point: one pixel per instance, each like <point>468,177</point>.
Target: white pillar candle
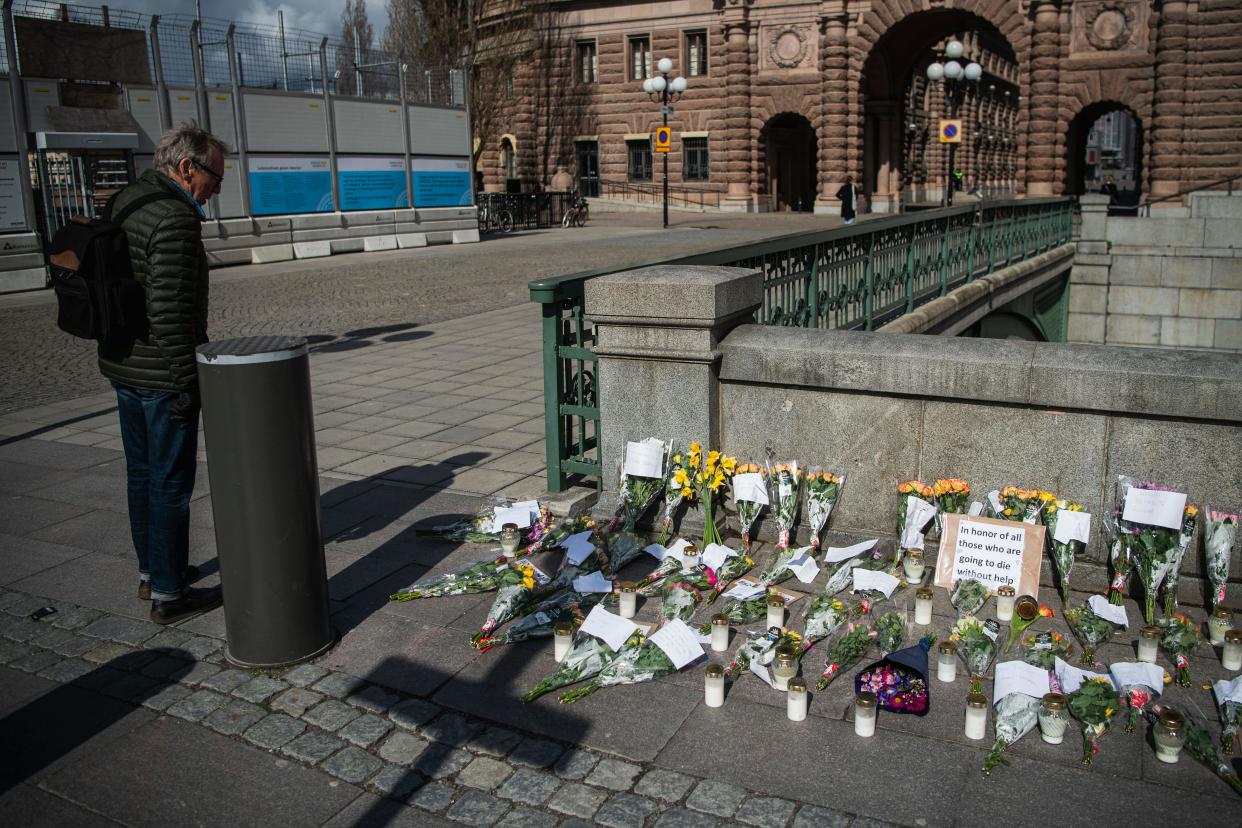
<point>1219,623</point>
<point>976,716</point>
<point>795,699</point>
<point>689,559</point>
<point>784,667</point>
<point>713,685</point>
<point>913,565</point>
<point>562,638</point>
<point>864,715</point>
<point>1149,643</point>
<point>720,633</point>
<point>923,607</point>
<point>629,599</point>
<point>1005,597</point>
<point>776,612</point>
<point>946,662</point>
<point>1053,718</point>
<point>1231,654</point>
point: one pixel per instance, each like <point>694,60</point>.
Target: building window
<point>640,57</point>
<point>696,54</point>
<point>640,159</point>
<point>508,159</point>
<point>694,156</point>
<point>588,62</point>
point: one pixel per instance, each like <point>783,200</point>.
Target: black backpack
<point>97,295</point>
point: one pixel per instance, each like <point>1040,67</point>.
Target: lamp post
<point>953,73</point>
<point>665,90</point>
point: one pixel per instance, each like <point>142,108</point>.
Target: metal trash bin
<point>260,437</point>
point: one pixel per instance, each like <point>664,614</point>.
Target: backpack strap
<point>133,206</point>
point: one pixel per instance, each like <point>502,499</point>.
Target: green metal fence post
<point>943,263</point>
<point>552,395</point>
<point>812,291</point>
<point>869,282</point>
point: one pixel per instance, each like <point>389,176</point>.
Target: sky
<point>322,16</point>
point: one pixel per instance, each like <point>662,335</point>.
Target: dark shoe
<point>144,587</point>
<point>191,603</point>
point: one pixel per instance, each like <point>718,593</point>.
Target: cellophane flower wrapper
<point>619,550</point>
<point>1132,541</point>
<point>1119,558</point>
<point>784,488</point>
<point>734,567</point>
<point>1063,554</point>
<point>676,489</point>
<point>975,648</point>
<point>760,648</point>
<point>823,487</point>
<point>1094,704</point>
<point>1042,649</point>
<point>895,688</point>
<point>1219,532</point>
<point>906,489</point>
<point>471,529</point>
<point>1018,625</point>
<point>824,616</point>
<point>1090,629</point>
<point>748,510</point>
<point>952,497</point>
<point>540,621</point>
<point>845,651</point>
<point>679,601</point>
<point>1178,636</point>
<point>548,532</point>
<point>1137,698</point>
<point>635,496</point>
<point>653,583</point>
<point>585,659</point>
<point>1190,521</point>
<point>1021,505</point>
<point>635,663</point>
<point>1200,746</point>
<point>746,611</point>
<point>776,572</point>
<point>890,633</point>
<point>519,591</point>
<point>1013,716</point>
<point>1230,722</point>
<point>478,576</point>
<point>1153,553</point>
<point>968,597</point>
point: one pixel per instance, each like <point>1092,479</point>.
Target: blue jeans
<point>160,463</point>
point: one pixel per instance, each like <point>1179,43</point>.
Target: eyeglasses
<point>219,178</point>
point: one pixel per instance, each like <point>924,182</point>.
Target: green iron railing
<point>859,277</point>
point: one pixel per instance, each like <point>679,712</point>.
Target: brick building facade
<point>786,99</point>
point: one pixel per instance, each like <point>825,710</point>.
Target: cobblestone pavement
<point>366,295</point>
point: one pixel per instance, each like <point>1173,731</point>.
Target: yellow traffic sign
<point>664,139</point>
<point>950,131</point>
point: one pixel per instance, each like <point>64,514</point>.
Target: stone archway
<point>788,149</point>
<point>1082,175</point>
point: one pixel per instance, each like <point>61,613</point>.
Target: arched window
<point>508,159</point>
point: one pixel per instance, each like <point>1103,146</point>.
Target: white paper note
<point>866,579</point>
<point>976,509</point>
<point>918,513</point>
<point>531,506</point>
<point>645,459</point>
<point>1072,526</point>
<point>995,502</point>
<point>579,552</point>
<point>1071,677</point>
<point>678,642</point>
<point>656,551</point>
<point>750,486</point>
<point>1109,612</point>
<point>578,538</point>
<point>745,590</point>
<point>612,629</point>
<point>836,554</point>
<point>1137,672</point>
<point>1019,677</point>
<point>510,514</point>
<point>803,565</point>
<point>1154,508</point>
<point>1228,691</point>
<point>703,638</point>
<point>716,554</point>
<point>762,672</point>
<point>595,582</point>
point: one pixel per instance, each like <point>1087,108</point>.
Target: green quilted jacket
<point>166,249</point>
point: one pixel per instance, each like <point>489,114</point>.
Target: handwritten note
<point>575,539</point>
<point>510,514</point>
<point>993,552</point>
<point>645,459</point>
<point>1072,526</point>
<point>836,554</point>
<point>803,565</point>
<point>594,582</point>
<point>744,590</point>
<point>678,642</point>
<point>1129,673</point>
<point>868,580</point>
<point>1109,612</point>
<point>612,629</point>
<point>1154,508</point>
<point>716,554</point>
<point>656,551</point>
<point>750,487</point>
<point>1019,677</point>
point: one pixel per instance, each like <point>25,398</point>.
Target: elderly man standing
<point>155,376</point>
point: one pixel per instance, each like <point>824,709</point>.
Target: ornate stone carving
<point>788,46</point>
<point>1110,26</point>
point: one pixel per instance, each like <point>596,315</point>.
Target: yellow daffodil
<point>680,478</point>
<point>728,464</point>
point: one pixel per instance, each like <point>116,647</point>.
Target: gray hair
<point>187,141</point>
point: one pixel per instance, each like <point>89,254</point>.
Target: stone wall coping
<point>1178,383</point>
<point>673,295</point>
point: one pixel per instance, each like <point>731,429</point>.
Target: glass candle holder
<point>976,716</point>
<point>720,632</point>
<point>776,611</point>
<point>923,606</point>
<point>795,699</point>
<point>562,638</point>
<point>946,661</point>
<point>1053,718</point>
<point>1231,653</point>
<point>1149,643</point>
<point>510,537</point>
<point>784,667</point>
<point>1169,734</point>
<point>864,715</point>
<point>1004,603</point>
<point>1220,622</point>
<point>913,565</point>
<point>713,685</point>
<point>629,599</point>
<point>690,559</point>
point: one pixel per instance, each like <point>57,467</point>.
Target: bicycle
<point>578,213</point>
<point>494,219</point>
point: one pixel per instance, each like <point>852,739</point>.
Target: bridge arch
<point>1081,174</point>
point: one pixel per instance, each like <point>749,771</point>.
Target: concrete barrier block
<point>440,237</point>
<point>230,256</point>
<point>22,261</point>
<point>30,278</point>
<point>273,224</point>
<point>312,249</point>
<point>1093,248</point>
<point>373,243</point>
<point>368,218</point>
<point>268,253</point>
<point>228,228</point>
<point>466,236</point>
<point>405,240</point>
<point>12,243</point>
<point>352,245</point>
<point>1187,333</point>
<point>316,221</point>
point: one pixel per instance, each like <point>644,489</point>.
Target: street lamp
<point>665,90</point>
<point>953,73</point>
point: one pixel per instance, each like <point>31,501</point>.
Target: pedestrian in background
<point>156,376</point>
<point>848,196</point>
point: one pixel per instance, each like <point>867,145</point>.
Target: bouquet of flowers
<point>1018,504</point>
<point>480,576</point>
<point>785,484</point>
<point>1190,520</point>
<point>846,651</point>
<point>1230,712</point>
<point>1091,630</point>
<point>822,489</point>
<point>636,494</point>
<point>734,567</point>
<point>843,575</point>
<point>1199,745</point>
<point>566,605</point>
<point>1218,536</point>
<point>617,549</point>
<point>1137,697</point>
<point>585,659</point>
<point>968,597</point>
<point>748,510</point>
<point>746,610</point>
<point>1044,648</point>
<point>639,660</point>
<point>952,495</point>
<point>761,649</point>
<point>1179,635</point>
<point>680,599</point>
<point>899,680</point>
<point>906,490</point>
<point>709,475</point>
<point>776,572</point>
<point>1015,716</point>
<point>976,647</point>
<point>1063,554</point>
<point>823,617</point>
<point>676,489</point>
<point>1094,704</point>
<point>1119,556</point>
<point>653,583</point>
<point>1026,612</point>
<point>1149,547</point>
<point>518,590</point>
<point>890,631</point>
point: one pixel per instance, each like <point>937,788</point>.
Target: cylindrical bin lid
<point>260,440</point>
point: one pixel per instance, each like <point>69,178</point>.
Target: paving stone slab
<point>719,798</point>
<point>200,646</point>
<point>164,667</point>
<point>122,630</point>
<point>625,810</point>
<point>275,731</point>
<point>495,741</point>
<point>529,786</point>
<point>528,818</point>
<point>452,729</point>
<point>667,786</point>
<point>198,672</point>
<point>197,706</point>
<point>235,717</point>
<point>68,670</point>
<point>433,796</point>
<point>813,816</point>
<point>372,698</point>
<point>168,639</point>
<point>412,713</point>
<point>72,618</point>
<point>402,748</point>
<point>331,715</point>
<point>226,681</point>
<point>161,697</point>
<point>12,650</point>
<point>681,818</point>
<point>576,799</point>
<point>396,782</point>
<point>23,631</point>
<point>575,764</point>
<point>365,730</point>
<point>478,809</point>
<point>484,773</point>
<point>106,651</point>
<point>766,812</point>
<point>304,675</point>
<point>536,753</point>
<point>35,661</point>
<point>614,774</point>
<point>295,701</point>
<point>313,746</point>
<point>352,765</point>
<point>441,761</point>
<point>259,689</point>
<point>338,685</point>
<point>51,638</point>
